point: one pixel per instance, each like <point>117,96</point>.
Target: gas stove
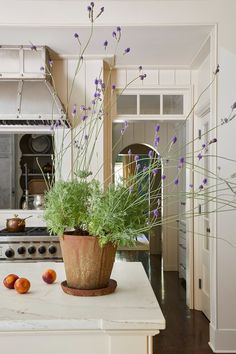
<point>35,243</point>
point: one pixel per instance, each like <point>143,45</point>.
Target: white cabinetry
<point>182,249</point>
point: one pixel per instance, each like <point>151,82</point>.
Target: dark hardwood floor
<point>187,331</point>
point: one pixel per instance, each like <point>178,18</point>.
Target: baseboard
<point>222,340</point>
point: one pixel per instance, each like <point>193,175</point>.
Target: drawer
<point>182,241</point>
<point>182,272</point>
<point>182,255</point>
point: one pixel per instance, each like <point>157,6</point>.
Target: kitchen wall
<point>221,13</point>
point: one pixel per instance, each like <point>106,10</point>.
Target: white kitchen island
<point>48,321</point>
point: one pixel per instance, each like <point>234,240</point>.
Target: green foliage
<point>66,205</point>
<point>117,214</point>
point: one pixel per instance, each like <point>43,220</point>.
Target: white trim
<point>222,340</point>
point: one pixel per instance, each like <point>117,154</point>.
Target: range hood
<point>27,96</point>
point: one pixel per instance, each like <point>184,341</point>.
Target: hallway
<point>187,331</point>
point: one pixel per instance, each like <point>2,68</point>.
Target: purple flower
<point>199,156</point>
<point>203,146</point>
<point>176,181</point>
<point>129,152</point>
<point>113,87</point>
<point>105,44</point>
<point>84,117</point>
<point>140,68</point>
<point>204,181</point>
<point>76,35</point>
<point>142,77</point>
<point>126,124</point>
<point>126,51</point>
<point>182,160</point>
<point>191,185</point>
<point>33,47</point>
<point>103,85</point>
<point>82,108</point>
<point>86,137</point>
<point>136,157</point>
<point>155,171</point>
<point>234,105</point>
<point>41,68</point>
<point>201,187</point>
<point>92,4</point>
<point>96,82</point>
<point>118,29</point>
<point>93,102</point>
<point>89,8</point>
<point>163,177</point>
<point>156,141</point>
<point>155,213</point>
<point>74,110</point>
<point>157,128</point>
<point>114,34</point>
<point>174,139</point>
<point>213,141</point>
<point>150,154</point>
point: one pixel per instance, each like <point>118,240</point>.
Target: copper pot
<point>16,224</point>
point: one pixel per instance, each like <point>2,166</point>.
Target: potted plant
<point>99,221</point>
<point>91,218</point>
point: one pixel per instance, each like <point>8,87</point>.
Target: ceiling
<point>150,45</point>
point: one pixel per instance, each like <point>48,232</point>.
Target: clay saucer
<point>111,287</point>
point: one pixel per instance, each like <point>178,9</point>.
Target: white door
<point>204,180</point>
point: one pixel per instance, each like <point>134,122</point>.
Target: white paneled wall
<point>80,90</point>
<point>155,77</point>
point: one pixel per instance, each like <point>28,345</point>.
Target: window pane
<point>127,104</point>
<point>173,104</point>
<point>149,104</point>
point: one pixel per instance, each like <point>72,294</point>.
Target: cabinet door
<point>7,171</point>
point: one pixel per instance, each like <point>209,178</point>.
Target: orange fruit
<point>22,285</point>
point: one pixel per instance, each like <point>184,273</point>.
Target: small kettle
<point>16,224</point>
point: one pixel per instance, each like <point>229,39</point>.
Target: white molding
<point>200,56</point>
<point>102,25</point>
<point>58,56</point>
<point>204,109</point>
<point>222,340</point>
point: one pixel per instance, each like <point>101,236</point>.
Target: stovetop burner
<point>29,231</point>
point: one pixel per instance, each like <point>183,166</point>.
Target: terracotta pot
<point>87,265</point>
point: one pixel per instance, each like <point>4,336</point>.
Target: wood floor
<point>187,331</point>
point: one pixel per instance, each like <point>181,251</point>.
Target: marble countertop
<point>133,306</point>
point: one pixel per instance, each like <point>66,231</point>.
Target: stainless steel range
<point>35,243</point>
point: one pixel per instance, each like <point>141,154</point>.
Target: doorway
<point>125,167</point>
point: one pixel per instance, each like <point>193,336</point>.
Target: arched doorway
<point>125,166</point>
